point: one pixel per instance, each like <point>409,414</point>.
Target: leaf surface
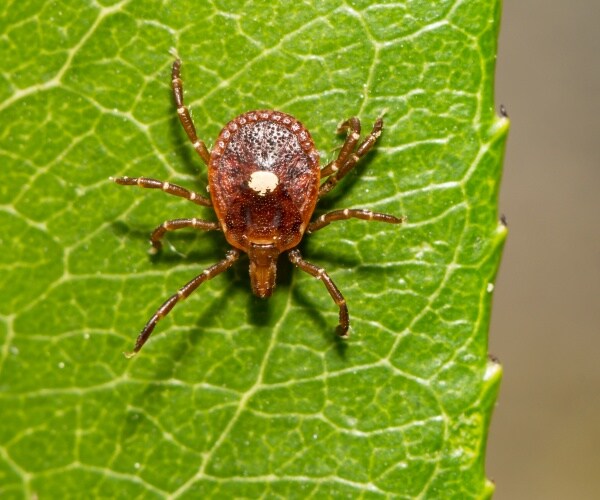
<point>233,395</point>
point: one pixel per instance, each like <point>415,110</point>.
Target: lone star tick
<point>264,182</point>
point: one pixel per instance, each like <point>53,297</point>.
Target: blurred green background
<point>545,434</point>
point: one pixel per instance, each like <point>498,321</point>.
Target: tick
<point>264,181</point>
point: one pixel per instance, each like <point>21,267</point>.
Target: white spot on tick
<point>263,182</point>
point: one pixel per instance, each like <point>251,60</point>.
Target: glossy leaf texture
<point>234,396</point>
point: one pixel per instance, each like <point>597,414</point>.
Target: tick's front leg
<point>320,273</point>
<point>181,294</point>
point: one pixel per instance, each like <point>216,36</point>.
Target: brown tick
<point>264,182</point>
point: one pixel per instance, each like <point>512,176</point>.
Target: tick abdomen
<point>269,219</point>
<point>264,176</point>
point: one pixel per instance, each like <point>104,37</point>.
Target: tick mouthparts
<point>262,278</point>
<point>263,269</point>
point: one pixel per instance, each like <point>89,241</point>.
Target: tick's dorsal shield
<point>264,178</point>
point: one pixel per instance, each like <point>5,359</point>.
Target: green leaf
<point>235,396</point>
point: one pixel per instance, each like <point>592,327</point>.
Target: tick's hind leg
<point>181,294</point>
<point>173,225</point>
<point>167,187</point>
<point>319,273</point>
<point>350,159</point>
<point>184,114</point>
<point>352,125</point>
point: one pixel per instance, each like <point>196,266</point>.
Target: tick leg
<point>319,273</point>
<point>352,125</point>
<point>347,213</point>
<point>184,114</point>
<point>167,187</point>
<point>173,225</point>
<point>352,159</point>
<point>181,294</point>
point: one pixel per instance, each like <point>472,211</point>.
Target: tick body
<point>264,182</point>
